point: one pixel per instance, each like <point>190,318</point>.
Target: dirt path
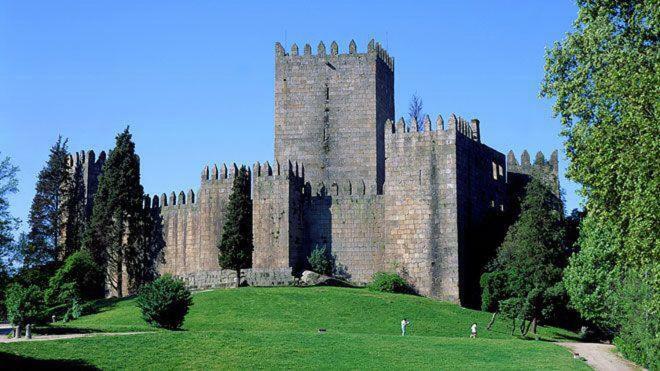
<point>601,357</point>
<point>66,336</point>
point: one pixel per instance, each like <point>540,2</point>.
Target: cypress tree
<point>46,212</point>
<point>114,225</point>
<point>235,247</point>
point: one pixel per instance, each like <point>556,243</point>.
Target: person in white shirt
<point>404,324</point>
<point>474,331</point>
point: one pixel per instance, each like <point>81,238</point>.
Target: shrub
<point>24,305</point>
<point>79,279</point>
<point>389,282</point>
<point>164,302</point>
<point>322,261</point>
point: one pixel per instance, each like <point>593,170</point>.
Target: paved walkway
<point>66,336</point>
<point>601,357</point>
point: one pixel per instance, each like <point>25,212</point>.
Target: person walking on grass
<point>474,331</point>
<point>404,324</point>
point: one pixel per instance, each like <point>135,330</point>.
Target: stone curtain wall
<point>349,223</point>
<point>330,109</point>
<point>277,216</point>
<point>192,226</point>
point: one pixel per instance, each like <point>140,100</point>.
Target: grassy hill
<point>277,328</point>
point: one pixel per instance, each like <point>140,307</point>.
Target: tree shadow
<point>15,362</point>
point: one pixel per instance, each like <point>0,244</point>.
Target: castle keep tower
<point>330,111</point>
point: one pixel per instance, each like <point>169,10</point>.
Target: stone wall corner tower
<point>330,111</point>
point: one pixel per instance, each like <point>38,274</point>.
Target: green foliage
<point>605,80</point>
<point>8,186</point>
<point>322,261</point>
<point>25,305</point>
<point>389,282</point>
<point>46,212</point>
<point>495,289</point>
<point>235,247</point>
<point>165,302</point>
<point>525,277</point>
<point>114,227</point>
<point>77,281</point>
<point>638,338</point>
<point>592,276</point>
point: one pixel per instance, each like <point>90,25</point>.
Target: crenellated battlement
<point>456,124</point>
<point>373,48</point>
<point>287,170</point>
<point>87,158</point>
<point>174,199</point>
<point>525,166</point>
<point>215,174</point>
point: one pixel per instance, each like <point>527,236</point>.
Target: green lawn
<point>277,328</point>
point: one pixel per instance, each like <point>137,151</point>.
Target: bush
<point>164,302</point>
<point>79,279</point>
<point>322,261</point>
<point>24,305</point>
<point>389,282</point>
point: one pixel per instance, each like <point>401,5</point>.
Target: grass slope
<point>276,328</point>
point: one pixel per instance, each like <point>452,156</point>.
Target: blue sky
<point>194,79</point>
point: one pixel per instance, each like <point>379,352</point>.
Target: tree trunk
<point>238,278</point>
<point>527,328</point>
<point>492,321</point>
<point>534,324</point>
<point>522,327</point>
<point>513,326</point>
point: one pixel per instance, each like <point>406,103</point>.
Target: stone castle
<point>431,203</point>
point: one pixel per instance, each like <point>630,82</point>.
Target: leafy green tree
<point>25,305</point>
<point>46,212</point>
<point>592,276</point>
<point>525,277</point>
<point>605,80</point>
<point>8,186</point>
<point>78,277</point>
<point>235,247</point>
<point>114,226</point>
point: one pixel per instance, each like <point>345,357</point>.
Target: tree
<point>415,111</point>
<point>114,226</point>
<point>524,281</point>
<point>592,276</point>
<point>46,212</point>
<point>605,81</point>
<point>25,305</point>
<point>235,247</point>
<point>8,186</point>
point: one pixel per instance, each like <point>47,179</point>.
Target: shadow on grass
<point>57,330</point>
<point>16,362</point>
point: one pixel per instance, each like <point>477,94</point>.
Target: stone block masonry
<point>431,204</point>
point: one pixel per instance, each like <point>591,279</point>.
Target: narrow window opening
<point>494,170</point>
<point>327,92</point>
